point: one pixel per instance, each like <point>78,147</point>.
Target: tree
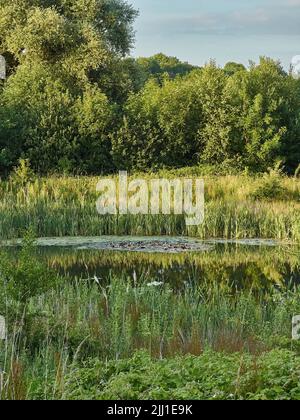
<point>78,36</point>
<point>217,136</point>
<point>160,126</point>
<point>63,58</point>
<point>268,109</point>
<point>56,128</point>
<point>231,68</point>
<point>120,79</point>
<point>249,119</point>
<point>160,64</point>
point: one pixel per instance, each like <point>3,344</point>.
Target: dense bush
<point>270,187</point>
<point>54,126</point>
<point>23,278</point>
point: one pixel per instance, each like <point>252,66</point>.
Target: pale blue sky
<point>225,30</point>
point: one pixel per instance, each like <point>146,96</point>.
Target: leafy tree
<point>268,112</point>
<point>160,64</point>
<point>217,136</point>
<point>231,68</point>
<point>159,127</point>
<point>63,57</point>
<point>55,128</point>
<point>120,79</point>
<point>77,35</point>
<point>249,119</point>
<point>290,115</point>
<point>93,122</point>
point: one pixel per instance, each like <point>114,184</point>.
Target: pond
<point>176,260</point>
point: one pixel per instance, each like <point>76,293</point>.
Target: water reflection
<point>243,266</point>
<point>255,264</point>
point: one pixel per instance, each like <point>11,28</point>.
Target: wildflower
<point>155,284</point>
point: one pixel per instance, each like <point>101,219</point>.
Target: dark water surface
<point>241,263</point>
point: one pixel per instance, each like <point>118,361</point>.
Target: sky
<point>224,30</point>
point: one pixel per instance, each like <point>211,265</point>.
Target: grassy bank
<point>79,341</point>
<point>236,207</point>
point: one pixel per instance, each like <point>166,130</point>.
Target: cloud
<point>278,21</point>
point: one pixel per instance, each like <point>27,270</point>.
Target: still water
<point>241,263</point>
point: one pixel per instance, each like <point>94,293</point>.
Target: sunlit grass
<point>66,206</point>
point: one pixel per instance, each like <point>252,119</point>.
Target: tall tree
<point>77,35</point>
<point>53,110</point>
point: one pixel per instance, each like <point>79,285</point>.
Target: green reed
<point>66,206</point>
<point>113,321</point>
<point>79,319</point>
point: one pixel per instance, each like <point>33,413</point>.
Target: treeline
<point>73,103</point>
<point>248,119</point>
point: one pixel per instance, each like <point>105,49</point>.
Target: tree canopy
<point>77,35</point>
<point>75,101</point>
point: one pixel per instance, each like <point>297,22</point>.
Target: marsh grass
<point>78,321</point>
<point>236,207</point>
<point>75,320</point>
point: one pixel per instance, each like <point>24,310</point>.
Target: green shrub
<point>211,376</point>
<point>23,277</point>
<point>269,187</point>
<point>22,173</point>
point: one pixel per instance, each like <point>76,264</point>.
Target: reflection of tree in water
<point>242,267</point>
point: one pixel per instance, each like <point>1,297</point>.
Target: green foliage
<point>22,174</point>
<point>249,118</point>
<point>160,127</point>
<point>231,68</point>
<point>74,102</point>
<point>260,98</point>
<point>56,127</point>
<point>52,109</point>
<point>23,277</point>
<point>77,36</point>
<point>270,186</point>
<point>211,376</point>
<point>159,65</point>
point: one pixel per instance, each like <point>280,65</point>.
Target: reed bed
<point>235,208</point>
<point>78,321</point>
<point>60,326</point>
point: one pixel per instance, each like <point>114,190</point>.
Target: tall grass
<point>236,207</point>
<point>78,321</point>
